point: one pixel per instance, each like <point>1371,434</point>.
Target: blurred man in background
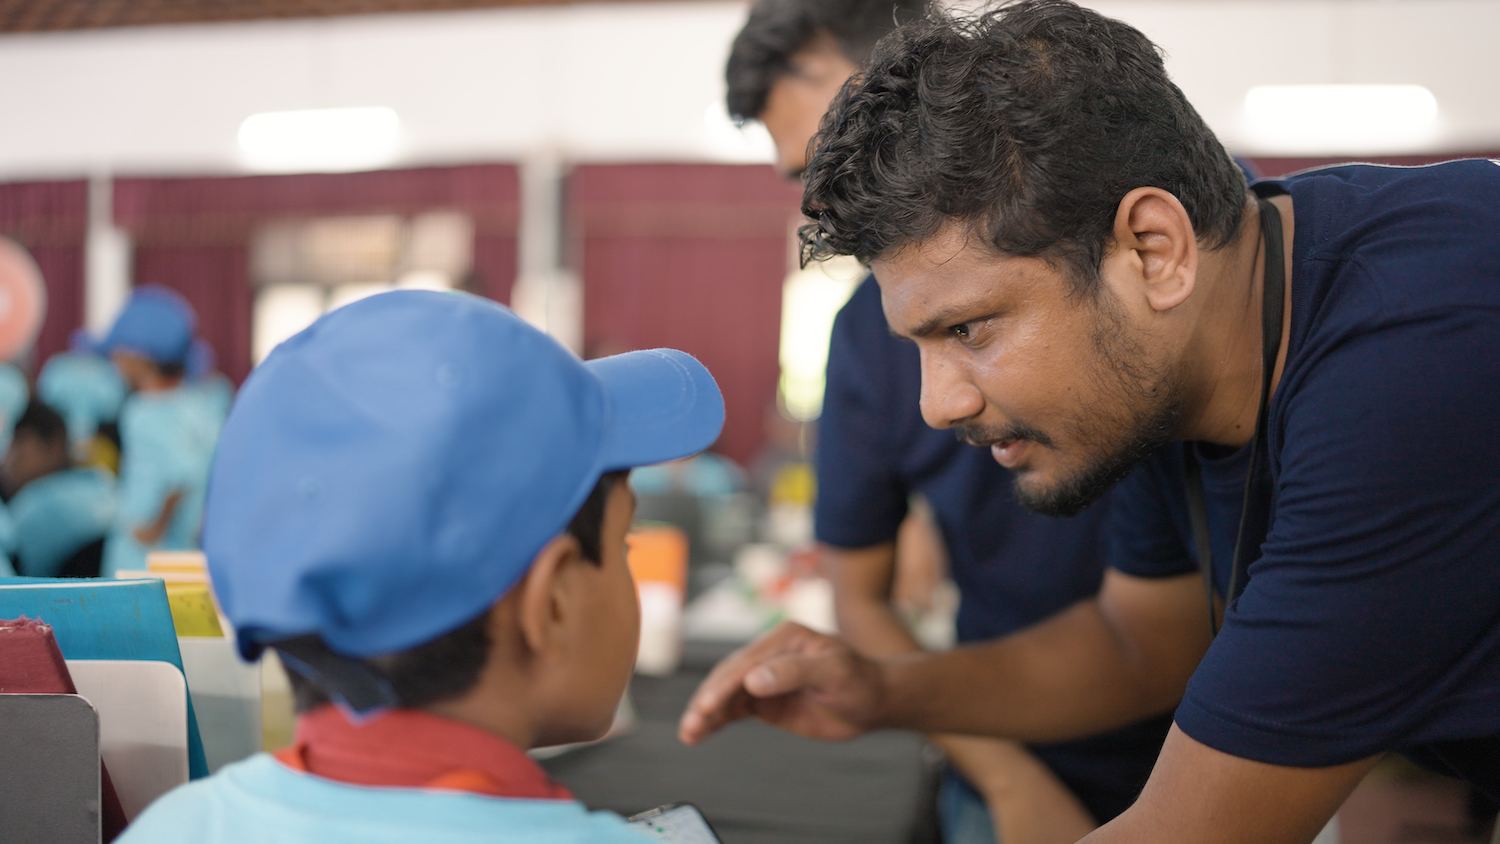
<point>167,432</point>
<point>1013,568</point>
<point>61,512</point>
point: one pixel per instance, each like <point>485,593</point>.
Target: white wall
<point>594,82</point>
<point>1218,49</point>
<point>629,82</point>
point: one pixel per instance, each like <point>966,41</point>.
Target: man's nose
<point>948,396</point>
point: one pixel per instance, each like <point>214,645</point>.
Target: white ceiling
<point>625,82</point>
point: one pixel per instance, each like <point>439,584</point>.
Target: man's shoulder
<point>259,799</point>
<point>1348,209</point>
<point>862,318</point>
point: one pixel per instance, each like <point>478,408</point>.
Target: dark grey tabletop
<point>755,783</point>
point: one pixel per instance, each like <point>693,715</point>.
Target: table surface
<point>753,782</point>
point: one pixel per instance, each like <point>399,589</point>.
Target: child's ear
<point>543,595</point>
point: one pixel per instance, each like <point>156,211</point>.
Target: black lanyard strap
<point>1273,293</point>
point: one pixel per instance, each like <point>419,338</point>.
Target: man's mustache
<point>988,435</point>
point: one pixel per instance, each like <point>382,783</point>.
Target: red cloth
<point>412,749</point>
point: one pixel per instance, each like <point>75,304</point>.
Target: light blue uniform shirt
<point>85,388</point>
<point>260,800</point>
<point>166,443</point>
<point>57,514</point>
<point>216,393</point>
<point>7,542</point>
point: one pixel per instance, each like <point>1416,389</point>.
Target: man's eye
<point>961,330</point>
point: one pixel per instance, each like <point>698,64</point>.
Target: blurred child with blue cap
<point>421,503</point>
<point>61,512</point>
<point>166,436</point>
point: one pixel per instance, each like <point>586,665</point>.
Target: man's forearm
<point>1028,804</point>
<point>862,581</point>
<point>1096,666</point>
<point>873,628</point>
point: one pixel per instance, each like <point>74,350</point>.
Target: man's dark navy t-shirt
<point>1013,567</point>
<point>1370,620</point>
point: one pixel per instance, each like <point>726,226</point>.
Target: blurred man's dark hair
<point>41,421</point>
<point>1029,124</point>
<point>38,447</point>
<point>778,29</point>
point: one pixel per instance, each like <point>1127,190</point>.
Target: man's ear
<point>1155,245</point>
<point>542,596</point>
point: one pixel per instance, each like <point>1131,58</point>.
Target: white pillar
<point>546,294</point>
<point>106,274</point>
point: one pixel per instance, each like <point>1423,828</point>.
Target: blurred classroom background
<point>269,160</point>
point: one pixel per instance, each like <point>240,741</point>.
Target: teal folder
<point>96,618</point>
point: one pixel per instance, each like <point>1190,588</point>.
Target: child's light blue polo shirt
<point>260,800</point>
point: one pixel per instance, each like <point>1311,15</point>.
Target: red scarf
<point>406,748</point>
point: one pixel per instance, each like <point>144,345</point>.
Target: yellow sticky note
<point>193,612</point>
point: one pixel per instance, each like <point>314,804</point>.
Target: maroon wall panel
<point>216,281</point>
<point>62,268</point>
<point>193,235</point>
<point>690,257</point>
<point>51,220</point>
<point>494,270</point>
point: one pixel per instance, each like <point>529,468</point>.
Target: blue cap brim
<point>661,404</point>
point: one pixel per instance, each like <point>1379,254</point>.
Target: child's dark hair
<point>448,666</point>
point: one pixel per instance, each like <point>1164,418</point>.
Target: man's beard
<point>1145,408</point>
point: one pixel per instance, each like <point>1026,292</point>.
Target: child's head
<point>420,501</point>
<point>150,339</point>
<point>38,447</point>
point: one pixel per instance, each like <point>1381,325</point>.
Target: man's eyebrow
<point>947,317</point>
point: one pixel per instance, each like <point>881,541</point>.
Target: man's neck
<point>1229,338</point>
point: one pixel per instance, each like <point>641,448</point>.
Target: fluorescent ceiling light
<point>320,139</point>
<point>1339,119</point>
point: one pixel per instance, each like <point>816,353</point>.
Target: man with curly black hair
<point>1291,386</point>
<point>875,454</point>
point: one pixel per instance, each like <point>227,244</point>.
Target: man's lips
<point>1009,453</point>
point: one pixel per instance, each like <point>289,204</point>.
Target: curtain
<point>50,219</point>
<point>193,235</point>
<point>692,257</point>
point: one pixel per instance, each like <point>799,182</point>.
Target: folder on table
<point>142,706</point>
<point>50,782</point>
<point>106,619</point>
<point>31,664</point>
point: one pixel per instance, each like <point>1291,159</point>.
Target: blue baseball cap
<point>390,472</point>
<point>156,323</point>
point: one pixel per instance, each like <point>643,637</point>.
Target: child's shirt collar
<point>406,748</point>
